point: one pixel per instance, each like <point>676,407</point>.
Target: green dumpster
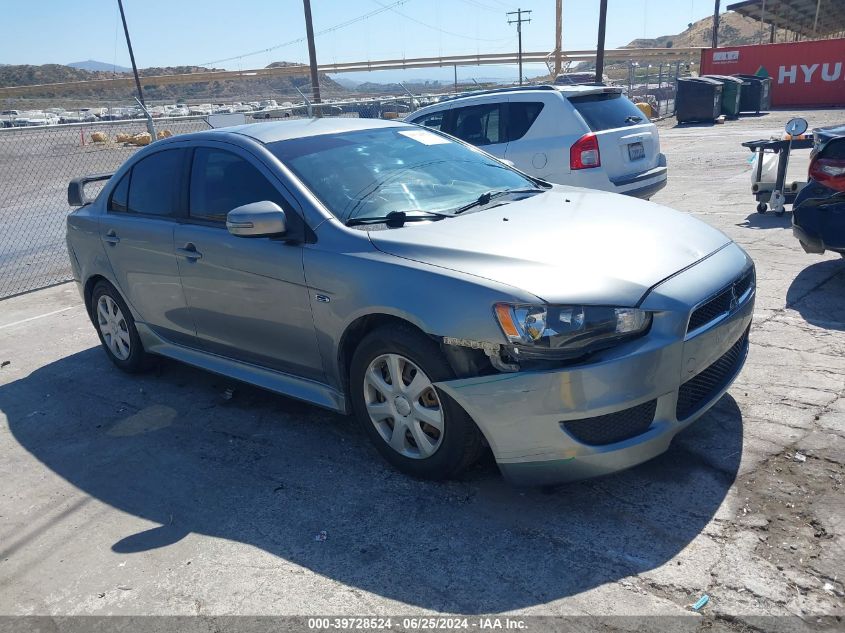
<point>731,90</point>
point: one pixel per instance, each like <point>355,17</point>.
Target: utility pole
<point>312,55</point>
<point>518,21</point>
<point>600,44</point>
<point>716,25</point>
<point>558,34</point>
<point>131,54</point>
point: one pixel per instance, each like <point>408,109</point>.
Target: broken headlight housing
<point>568,331</point>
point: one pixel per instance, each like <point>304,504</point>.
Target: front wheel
<point>762,207</point>
<point>415,427</point>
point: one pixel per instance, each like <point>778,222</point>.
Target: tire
<point>117,331</point>
<point>762,207</point>
<point>421,449</point>
<point>779,213</point>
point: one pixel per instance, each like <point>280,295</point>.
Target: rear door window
<point>119,202</point>
<point>521,116</point>
<point>607,111</point>
<point>154,187</point>
<point>480,124</point>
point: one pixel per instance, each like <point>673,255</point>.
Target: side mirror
<point>257,219</point>
<point>796,127</point>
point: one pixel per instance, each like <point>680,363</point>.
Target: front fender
<point>361,281</point>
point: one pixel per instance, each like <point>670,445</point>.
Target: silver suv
<point>584,136</point>
<point>446,300</point>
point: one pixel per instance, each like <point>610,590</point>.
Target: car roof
<point>564,90</point>
<point>299,128</point>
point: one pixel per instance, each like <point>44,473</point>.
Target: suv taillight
<point>584,154</point>
<point>829,172</point>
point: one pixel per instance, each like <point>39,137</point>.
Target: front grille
<point>744,283</point>
<point>699,390</point>
<point>612,427</point>
<point>722,303</point>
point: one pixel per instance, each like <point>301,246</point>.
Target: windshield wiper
<point>487,196</point>
<point>396,219</point>
<point>633,119</point>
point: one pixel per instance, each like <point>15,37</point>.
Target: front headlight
<point>567,331</point>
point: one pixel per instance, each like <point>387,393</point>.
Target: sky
<point>175,32</point>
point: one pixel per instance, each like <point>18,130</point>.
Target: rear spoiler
<point>76,189</point>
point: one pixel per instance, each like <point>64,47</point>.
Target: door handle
<point>111,237</point>
<point>189,251</point>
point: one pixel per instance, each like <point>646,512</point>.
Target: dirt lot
<point>158,495</point>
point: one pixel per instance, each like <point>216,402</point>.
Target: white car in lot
<point>584,136</point>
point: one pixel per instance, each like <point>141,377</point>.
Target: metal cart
<point>776,195</point>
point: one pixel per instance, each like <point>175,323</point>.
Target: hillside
<point>734,30</point>
<point>230,90</point>
<point>92,64</point>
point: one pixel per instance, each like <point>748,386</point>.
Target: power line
<point>481,5</point>
<point>298,40</point>
<point>435,28</point>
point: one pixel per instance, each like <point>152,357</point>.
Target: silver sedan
<point>446,300</point>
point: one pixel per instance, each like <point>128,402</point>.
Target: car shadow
<point>826,281</point>
<point>689,124</point>
<point>767,220</point>
<point>177,448</point>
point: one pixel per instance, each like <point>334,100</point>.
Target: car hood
<point>567,245</point>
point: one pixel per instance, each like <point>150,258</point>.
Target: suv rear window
<point>607,111</point>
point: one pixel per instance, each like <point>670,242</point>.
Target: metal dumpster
<point>698,99</point>
<point>756,94</point>
<point>731,93</point>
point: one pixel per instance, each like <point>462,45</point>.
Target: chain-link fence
<point>38,162</point>
<point>36,165</point>
<point>656,85</point>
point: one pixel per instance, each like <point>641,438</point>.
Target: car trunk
<point>628,141</point>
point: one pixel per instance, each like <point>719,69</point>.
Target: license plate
<point>636,151</point>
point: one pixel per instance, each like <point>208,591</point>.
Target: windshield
<point>371,173</point>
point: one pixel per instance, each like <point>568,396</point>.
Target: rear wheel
<point>116,329</point>
<point>762,207</point>
<point>418,429</point>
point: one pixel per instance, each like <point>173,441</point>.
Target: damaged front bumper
<point>625,405</point>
